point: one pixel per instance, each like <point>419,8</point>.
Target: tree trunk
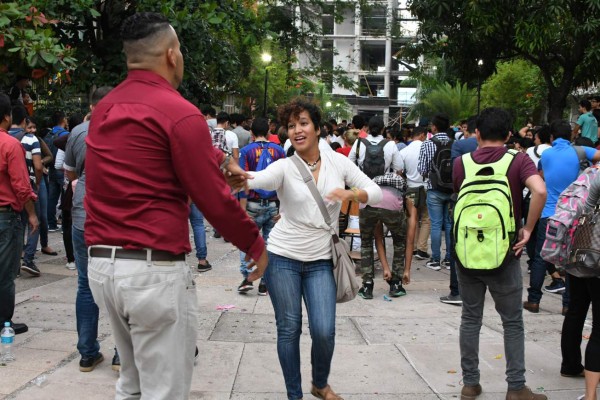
<point>557,101</point>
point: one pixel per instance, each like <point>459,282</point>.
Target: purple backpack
<point>560,231</point>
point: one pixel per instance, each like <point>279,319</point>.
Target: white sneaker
<point>71,266</point>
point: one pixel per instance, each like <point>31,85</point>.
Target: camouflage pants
<point>396,223</point>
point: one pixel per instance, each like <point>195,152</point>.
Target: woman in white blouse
<point>300,265</point>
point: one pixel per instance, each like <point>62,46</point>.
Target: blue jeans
<point>42,214</point>
<point>55,188</point>
<point>197,222</point>
<point>289,281</point>
<point>262,215</point>
<point>86,310</point>
<point>32,238</point>
<point>437,206</point>
<point>11,245</point>
<point>538,266</point>
<point>506,288</point>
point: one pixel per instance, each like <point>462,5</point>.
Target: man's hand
<point>33,223</point>
<point>387,274</point>
<point>236,177</point>
<point>261,266</point>
<point>277,217</point>
<point>406,277</point>
<point>524,235</point>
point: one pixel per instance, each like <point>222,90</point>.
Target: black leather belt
<point>6,209</point>
<point>155,255</point>
<point>264,202</point>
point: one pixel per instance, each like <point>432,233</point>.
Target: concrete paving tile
<point>541,371</point>
<point>65,288</point>
<point>38,360</point>
<point>68,390</point>
<point>12,378</point>
<point>206,324</point>
<point>102,375</point>
<point>378,330</point>
<point>54,315</point>
<point>195,395</point>
<point>217,366</point>
<point>210,297</point>
<point>53,340</point>
<point>259,328</point>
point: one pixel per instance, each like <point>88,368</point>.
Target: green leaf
<point>14,49</point>
<point>94,13</point>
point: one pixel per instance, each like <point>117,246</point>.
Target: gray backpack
<point>374,163</point>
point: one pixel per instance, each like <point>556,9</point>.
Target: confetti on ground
<point>225,307</point>
<point>498,356</point>
<point>540,389</point>
<point>386,298</point>
<point>447,384</point>
<point>451,371</point>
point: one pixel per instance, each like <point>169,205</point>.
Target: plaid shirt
<point>426,156</point>
<point>391,179</point>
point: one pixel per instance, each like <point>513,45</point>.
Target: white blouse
<point>301,233</point>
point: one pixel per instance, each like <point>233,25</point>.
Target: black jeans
<point>67,224</point>
<point>583,291</point>
<point>11,245</point>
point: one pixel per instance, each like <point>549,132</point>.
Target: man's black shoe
<point>18,328</point>
<point>204,267</point>
<point>217,235</point>
<point>31,268</point>
<point>116,362</point>
<point>366,291</point>
<point>421,255</point>
<point>245,286</point>
<point>87,364</point>
<point>396,289</point>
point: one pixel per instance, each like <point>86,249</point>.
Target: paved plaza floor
<point>403,349</point>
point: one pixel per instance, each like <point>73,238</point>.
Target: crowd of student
<point>126,180</point>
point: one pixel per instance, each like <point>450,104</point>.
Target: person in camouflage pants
<point>391,213</point>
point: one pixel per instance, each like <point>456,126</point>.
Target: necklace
<point>312,166</point>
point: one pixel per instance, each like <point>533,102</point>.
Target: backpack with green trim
<point>484,221</point>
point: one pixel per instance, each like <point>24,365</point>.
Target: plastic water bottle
<point>8,338</point>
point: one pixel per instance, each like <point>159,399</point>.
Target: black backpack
<point>441,171</point>
<point>374,163</point>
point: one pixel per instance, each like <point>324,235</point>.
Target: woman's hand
<point>339,195</point>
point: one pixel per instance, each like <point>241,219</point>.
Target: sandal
<point>325,394</point>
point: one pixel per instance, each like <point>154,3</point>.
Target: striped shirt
<point>426,156</point>
<point>31,144</point>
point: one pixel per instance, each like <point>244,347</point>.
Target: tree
<point>560,37</point>
<point>458,102</point>
<point>518,87</point>
<point>28,44</point>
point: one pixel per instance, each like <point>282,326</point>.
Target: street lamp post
<point>479,64</point>
<point>266,58</point>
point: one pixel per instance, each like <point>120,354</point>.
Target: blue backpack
<point>49,139</point>
<point>266,158</point>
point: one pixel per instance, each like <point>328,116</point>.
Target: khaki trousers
<point>153,311</point>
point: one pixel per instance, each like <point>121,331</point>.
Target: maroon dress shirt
<point>147,150</point>
<point>15,187</point>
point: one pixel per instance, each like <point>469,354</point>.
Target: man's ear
<point>171,58</point>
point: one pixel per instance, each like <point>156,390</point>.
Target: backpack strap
<point>357,152</point>
<point>583,161</point>
<point>501,167</point>
<point>535,152</point>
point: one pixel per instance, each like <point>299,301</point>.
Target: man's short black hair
<point>142,25</point>
<point>5,106</point>
<point>57,117</point>
<point>418,131</point>
<point>586,104</point>
<point>583,141</point>
<point>560,129</point>
<point>595,98</point>
<point>208,110</point>
<point>472,124</point>
<point>543,132</point>
<point>237,118</point>
<point>358,121</point>
<point>260,127</point>
<point>100,93</point>
<point>332,121</point>
<point>441,122</point>
<point>222,117</point>
<point>19,113</point>
<point>494,124</point>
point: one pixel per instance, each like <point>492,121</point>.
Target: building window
<point>327,19</point>
<point>374,20</point>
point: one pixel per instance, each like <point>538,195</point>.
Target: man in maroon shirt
<point>148,149</point>
<point>506,285</point>
<point>15,195</point>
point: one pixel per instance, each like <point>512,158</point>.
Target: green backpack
<point>484,224</point>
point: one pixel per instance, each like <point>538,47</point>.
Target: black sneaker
<point>396,289</point>
<point>421,255</point>
<point>433,264</point>
<point>445,263</point>
<point>217,235</point>
<point>116,362</point>
<point>87,364</point>
<point>366,291</point>
<point>557,286</point>
<point>245,286</point>
<point>196,354</point>
<point>262,289</point>
<point>451,299</point>
<point>31,268</point>
<point>204,267</point>
<point>18,328</point>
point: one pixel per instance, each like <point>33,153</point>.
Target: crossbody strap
<point>308,179</point>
